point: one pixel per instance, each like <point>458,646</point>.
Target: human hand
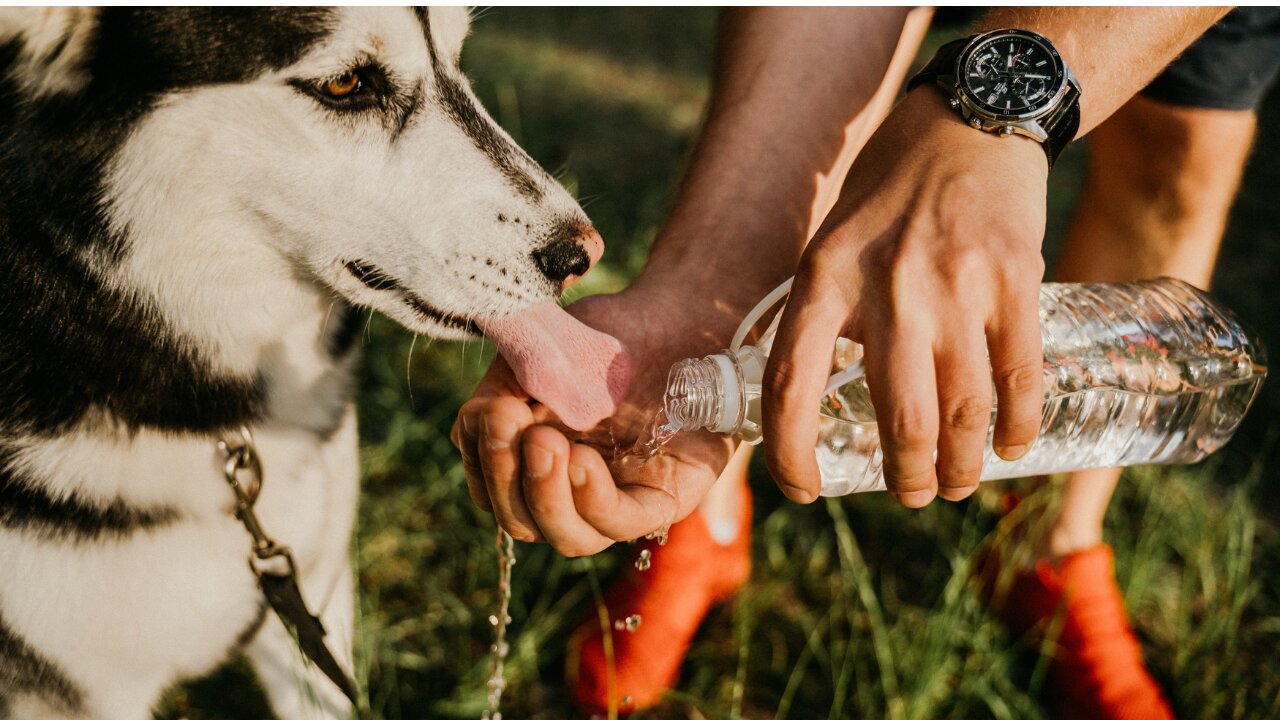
<point>931,260</point>
<point>582,492</point>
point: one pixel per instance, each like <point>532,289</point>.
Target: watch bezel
<point>980,108</point>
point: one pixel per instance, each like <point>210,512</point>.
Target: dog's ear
<point>54,42</point>
<point>449,27</point>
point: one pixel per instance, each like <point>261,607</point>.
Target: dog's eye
<point>360,88</point>
<point>345,85</point>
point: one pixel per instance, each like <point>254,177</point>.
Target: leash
<point>273,564</point>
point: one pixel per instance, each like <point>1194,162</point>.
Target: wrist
<point>928,109</point>
<point>726,275</point>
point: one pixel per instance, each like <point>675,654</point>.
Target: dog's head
<point>345,143</point>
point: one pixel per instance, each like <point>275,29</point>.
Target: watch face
<point>1011,75</point>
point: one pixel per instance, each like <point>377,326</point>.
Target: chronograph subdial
<point>1029,87</point>
<point>1010,75</point>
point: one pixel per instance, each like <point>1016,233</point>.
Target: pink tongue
<point>579,373</point>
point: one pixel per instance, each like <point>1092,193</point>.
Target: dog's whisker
<point>324,324</point>
<point>586,202</point>
<point>368,323</point>
<point>408,371</point>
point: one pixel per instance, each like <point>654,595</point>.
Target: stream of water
<point>657,434</point>
<point>499,650</point>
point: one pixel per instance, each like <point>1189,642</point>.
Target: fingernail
<point>537,462</point>
<point>1012,452</point>
<point>469,424</point>
<point>577,476</point>
<point>498,434</point>
<point>956,494</point>
<point>798,494</point>
<point>915,498</point>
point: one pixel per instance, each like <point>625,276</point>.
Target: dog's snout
<point>562,259</point>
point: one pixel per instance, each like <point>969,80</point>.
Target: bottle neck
<point>704,394</point>
<point>718,392</point>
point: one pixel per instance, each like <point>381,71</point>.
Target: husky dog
<point>191,203</point>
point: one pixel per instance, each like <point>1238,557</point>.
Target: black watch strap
<point>1060,127</point>
<point>943,64</point>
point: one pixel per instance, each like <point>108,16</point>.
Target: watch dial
<point>1011,74</point>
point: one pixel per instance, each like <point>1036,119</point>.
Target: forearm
<point>797,92</point>
<point>1114,51</point>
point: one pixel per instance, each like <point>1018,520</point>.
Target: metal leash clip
<point>268,556</point>
<point>273,563</point>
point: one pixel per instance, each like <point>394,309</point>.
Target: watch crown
<point>1006,130</point>
<point>953,102</point>
<point>976,123</point>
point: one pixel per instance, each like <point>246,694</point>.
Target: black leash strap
<point>273,564</point>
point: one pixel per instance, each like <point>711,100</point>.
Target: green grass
<point>857,608</point>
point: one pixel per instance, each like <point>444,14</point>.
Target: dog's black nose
<point>562,259</point>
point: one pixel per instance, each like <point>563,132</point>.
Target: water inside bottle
<point>1150,391</point>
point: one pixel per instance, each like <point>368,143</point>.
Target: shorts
<point>1230,67</point>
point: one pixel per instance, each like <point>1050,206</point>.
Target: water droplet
<point>660,534</point>
<point>644,560</point>
<point>493,620</point>
<point>630,623</point>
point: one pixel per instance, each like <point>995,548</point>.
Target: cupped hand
<point>931,260</point>
<point>581,492</point>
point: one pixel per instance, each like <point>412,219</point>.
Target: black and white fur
<point>186,222</point>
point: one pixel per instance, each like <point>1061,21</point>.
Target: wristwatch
<point>1009,82</point>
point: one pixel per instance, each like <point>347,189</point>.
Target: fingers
<point>502,422</point>
<point>549,488</point>
<point>798,368</point>
<point>581,505</point>
<point>466,437</point>
<point>900,368</point>
<point>1017,367</point>
<point>639,504</point>
<point>499,381</point>
<point>964,411</point>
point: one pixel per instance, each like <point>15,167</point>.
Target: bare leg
<point>1161,182</point>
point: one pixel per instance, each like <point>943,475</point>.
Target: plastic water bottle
<point>1153,372</point>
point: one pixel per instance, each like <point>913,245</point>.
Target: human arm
<point>931,260</point>
<point>779,138</point>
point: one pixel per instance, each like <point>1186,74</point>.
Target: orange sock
<point>1097,671</point>
<point>686,578</point>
